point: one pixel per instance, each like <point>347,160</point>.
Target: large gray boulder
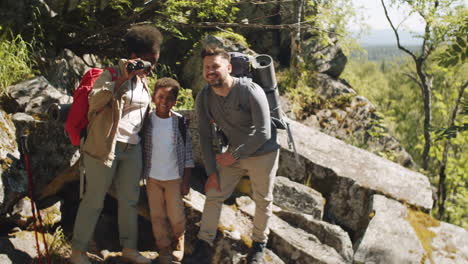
<point>294,244</point>
<point>34,96</point>
<point>348,176</point>
<point>398,234</point>
<point>296,197</point>
<point>328,59</point>
<point>328,234</point>
<point>12,179</point>
<point>67,69</point>
<point>19,247</point>
<point>49,149</point>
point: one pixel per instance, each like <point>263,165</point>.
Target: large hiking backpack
<point>77,117</point>
<point>260,70</point>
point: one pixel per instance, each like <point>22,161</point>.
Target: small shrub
<point>296,86</point>
<point>16,63</point>
<point>185,100</point>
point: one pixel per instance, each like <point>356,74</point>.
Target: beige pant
<point>167,211</point>
<point>261,171</point>
<point>124,174</point>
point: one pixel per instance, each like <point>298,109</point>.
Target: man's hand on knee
<point>225,159</point>
<point>212,183</point>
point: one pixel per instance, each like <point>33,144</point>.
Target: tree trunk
<point>426,92</point>
<point>296,36</point>
<point>442,187</point>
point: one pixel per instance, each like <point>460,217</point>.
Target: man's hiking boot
<point>202,252</point>
<point>79,257</point>
<point>256,253</point>
<point>178,253</point>
<point>134,256</point>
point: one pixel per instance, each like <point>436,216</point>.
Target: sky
<point>375,16</point>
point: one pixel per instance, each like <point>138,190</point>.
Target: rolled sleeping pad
<point>58,112</point>
<point>264,75</point>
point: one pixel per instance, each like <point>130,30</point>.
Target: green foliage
<point>232,36</point>
<point>383,53</point>
<point>174,13</point>
<point>17,60</point>
<point>297,88</point>
<point>335,16</point>
<point>58,245</point>
<point>399,104</point>
<point>456,206</point>
<point>300,89</point>
<point>367,79</point>
<point>456,50</point>
<point>185,100</point>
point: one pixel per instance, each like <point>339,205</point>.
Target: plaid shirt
<point>183,152</point>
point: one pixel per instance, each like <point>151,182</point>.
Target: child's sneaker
<point>79,257</point>
<point>134,256</point>
<point>178,252</point>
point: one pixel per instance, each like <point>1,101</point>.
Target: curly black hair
<point>143,39</point>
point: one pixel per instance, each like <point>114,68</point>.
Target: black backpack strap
<point>183,123</point>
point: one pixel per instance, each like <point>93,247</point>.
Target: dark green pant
<point>125,175</point>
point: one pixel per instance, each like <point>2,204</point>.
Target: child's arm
<point>185,186</point>
<point>189,163</point>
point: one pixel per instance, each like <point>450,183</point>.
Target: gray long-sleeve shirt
<point>244,117</point>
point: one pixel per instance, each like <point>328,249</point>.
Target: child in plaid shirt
<point>167,153</point>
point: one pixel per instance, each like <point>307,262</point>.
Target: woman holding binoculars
<point>118,104</point>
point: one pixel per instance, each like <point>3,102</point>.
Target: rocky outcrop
<point>12,179</point>
<point>294,244</point>
<point>328,59</point>
<point>349,117</point>
<point>299,198</point>
<point>398,234</point>
<point>348,176</point>
<point>66,70</point>
<point>331,235</point>
<point>19,247</point>
<point>49,150</point>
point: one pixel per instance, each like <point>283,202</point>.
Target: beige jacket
<point>105,111</point>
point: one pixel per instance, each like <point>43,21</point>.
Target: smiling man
<point>240,109</point>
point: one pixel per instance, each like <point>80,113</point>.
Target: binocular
<point>138,65</point>
<point>58,112</point>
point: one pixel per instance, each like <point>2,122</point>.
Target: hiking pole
<point>291,142</point>
<point>24,149</point>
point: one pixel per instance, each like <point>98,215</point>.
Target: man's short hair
<point>215,51</point>
<point>143,39</point>
<point>167,82</point>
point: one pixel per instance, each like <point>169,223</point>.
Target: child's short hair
<point>167,82</point>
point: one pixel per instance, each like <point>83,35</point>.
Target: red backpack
<point>77,118</point>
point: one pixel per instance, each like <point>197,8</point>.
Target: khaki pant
<point>125,175</point>
<point>261,171</point>
<point>167,211</point>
